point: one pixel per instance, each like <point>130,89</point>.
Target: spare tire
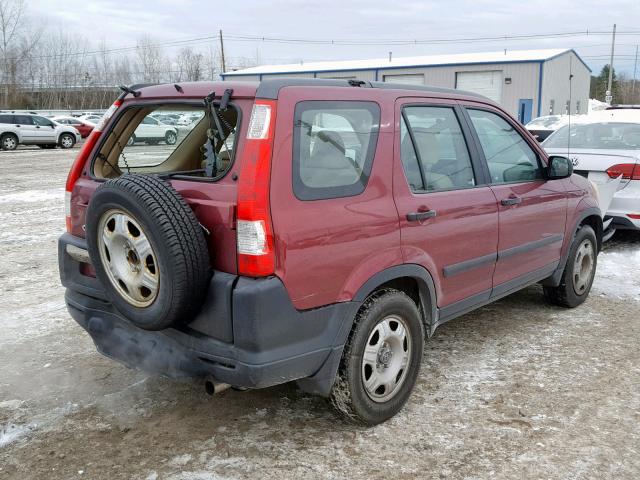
<point>148,250</point>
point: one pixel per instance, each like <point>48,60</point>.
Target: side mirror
<point>559,167</point>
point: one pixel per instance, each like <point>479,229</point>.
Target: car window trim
<point>474,133</point>
<point>191,103</point>
<point>480,176</point>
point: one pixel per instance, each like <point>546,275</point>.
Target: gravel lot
<point>517,389</point>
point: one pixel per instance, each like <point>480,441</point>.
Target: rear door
<point>448,215</point>
<point>532,209</point>
<point>27,128</point>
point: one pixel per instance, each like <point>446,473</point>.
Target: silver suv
<point>28,129</point>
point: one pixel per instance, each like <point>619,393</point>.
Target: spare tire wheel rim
<point>128,258</point>
<point>386,358</point>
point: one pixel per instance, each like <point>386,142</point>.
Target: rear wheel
<point>170,138</point>
<point>131,141</point>
<point>381,360</point>
<point>608,234</point>
<point>579,271</point>
<point>9,141</point>
<point>67,140</point>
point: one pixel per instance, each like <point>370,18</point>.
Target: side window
<point>509,157</point>
<point>23,120</point>
<point>43,122</point>
<point>433,150</point>
<point>333,147</point>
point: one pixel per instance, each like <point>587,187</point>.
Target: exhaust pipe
<point>212,387</point>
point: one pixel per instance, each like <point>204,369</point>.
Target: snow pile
<point>618,274</point>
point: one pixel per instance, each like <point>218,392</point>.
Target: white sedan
<point>606,149</point>
<point>152,131</point>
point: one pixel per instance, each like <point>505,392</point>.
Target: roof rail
<point>269,87</point>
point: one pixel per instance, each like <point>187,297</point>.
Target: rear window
<point>141,141</point>
<point>597,136</point>
<point>333,148</point>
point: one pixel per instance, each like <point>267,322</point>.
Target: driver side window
<point>43,122</point>
<point>509,157</point>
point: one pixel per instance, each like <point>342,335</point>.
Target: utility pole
<point>224,67</point>
<point>635,70</point>
<point>609,94</point>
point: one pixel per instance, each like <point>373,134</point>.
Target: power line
<point>339,42</point>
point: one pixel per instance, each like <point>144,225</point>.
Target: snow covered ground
<point>517,389</point>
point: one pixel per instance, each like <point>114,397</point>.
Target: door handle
<point>511,201</point>
<point>417,216</point>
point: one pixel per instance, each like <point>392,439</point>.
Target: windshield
<point>597,136</point>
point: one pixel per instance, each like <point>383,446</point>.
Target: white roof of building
<point>405,62</point>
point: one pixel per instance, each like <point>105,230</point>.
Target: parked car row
<point>29,129</point>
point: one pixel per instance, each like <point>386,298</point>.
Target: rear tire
<point>170,138</point>
<point>148,250</point>
<point>579,271</point>
<point>608,234</point>
<point>9,141</point>
<point>381,359</point>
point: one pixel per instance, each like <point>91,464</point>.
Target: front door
<point>525,110</point>
<point>448,215</point>
<point>45,130</point>
<point>532,209</point>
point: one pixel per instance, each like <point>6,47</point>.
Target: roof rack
<point>270,87</point>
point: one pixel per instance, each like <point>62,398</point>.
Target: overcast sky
<point>121,23</point>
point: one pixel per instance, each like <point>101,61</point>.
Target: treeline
<point>625,90</point>
<point>47,68</point>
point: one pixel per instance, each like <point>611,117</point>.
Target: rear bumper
<point>248,334</point>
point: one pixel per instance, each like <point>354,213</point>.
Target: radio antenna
<point>570,101</point>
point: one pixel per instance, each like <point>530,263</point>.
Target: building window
<point>552,107</point>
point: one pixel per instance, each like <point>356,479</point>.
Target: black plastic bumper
<point>248,333</point>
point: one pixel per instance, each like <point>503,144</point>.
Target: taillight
<point>256,254</point>
<point>81,159</point>
<point>629,171</point>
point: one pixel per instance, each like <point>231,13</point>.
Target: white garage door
<point>408,79</point>
<point>488,84</point>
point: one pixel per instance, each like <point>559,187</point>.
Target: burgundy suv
<point>313,230</point>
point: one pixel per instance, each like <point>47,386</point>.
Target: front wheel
<point>579,271</point>
<point>381,360</point>
<point>67,140</point>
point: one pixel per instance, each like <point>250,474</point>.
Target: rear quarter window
<point>333,148</point>
<point>6,118</point>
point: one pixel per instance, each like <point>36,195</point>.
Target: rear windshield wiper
<point>215,129</point>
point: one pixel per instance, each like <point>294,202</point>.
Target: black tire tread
<point>182,234</point>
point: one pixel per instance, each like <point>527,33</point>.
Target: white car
<point>152,131</point>
<point>605,148</point>
<point>28,129</point>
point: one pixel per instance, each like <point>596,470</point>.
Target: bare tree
<point>150,59</point>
